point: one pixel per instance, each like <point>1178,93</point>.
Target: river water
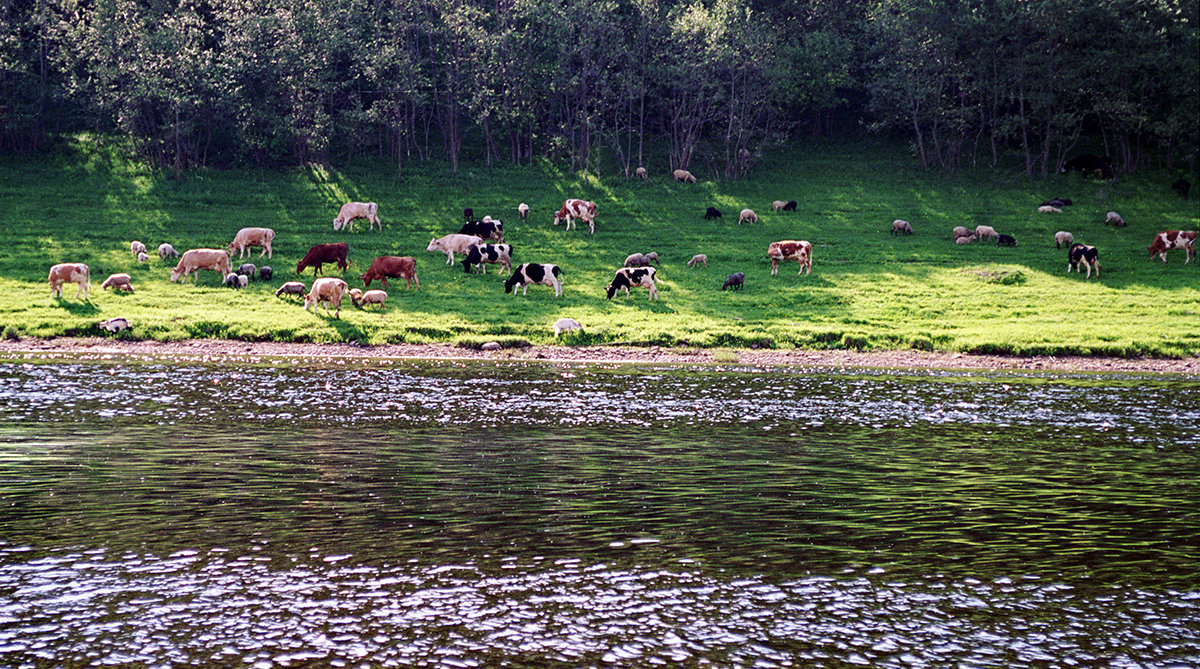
<point>531,515</point>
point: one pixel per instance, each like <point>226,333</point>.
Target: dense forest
<point>707,84</point>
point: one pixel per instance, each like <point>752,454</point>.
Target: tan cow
<point>451,244</point>
<point>327,290</point>
<point>194,260</point>
<point>787,249</point>
<point>70,272</point>
<point>248,237</point>
<point>581,209</point>
<point>353,210</point>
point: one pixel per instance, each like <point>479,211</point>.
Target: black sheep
<point>711,213</point>
<point>735,281</point>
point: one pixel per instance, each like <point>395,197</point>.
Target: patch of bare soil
<point>214,349</point>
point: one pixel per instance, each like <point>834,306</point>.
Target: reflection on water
<point>480,514</point>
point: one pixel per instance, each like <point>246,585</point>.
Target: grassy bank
<point>867,290</point>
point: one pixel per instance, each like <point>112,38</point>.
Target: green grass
<point>867,290</point>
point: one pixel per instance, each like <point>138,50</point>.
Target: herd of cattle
<point>481,242</point>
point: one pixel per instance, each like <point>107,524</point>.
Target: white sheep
<point>642,174</point>
<point>137,247</point>
<point>901,227</point>
<point>165,251</point>
<point>142,258</point>
<point>965,240</point>
<point>523,211</point>
<point>960,232</point>
<point>118,282</point>
<point>985,232</point>
<point>1063,238</point>
<point>777,205</point>
<point>1113,218</point>
<point>747,215</point>
<point>361,299</point>
<point>1047,209</point>
<point>698,259</point>
<point>683,175</point>
<point>565,325</point>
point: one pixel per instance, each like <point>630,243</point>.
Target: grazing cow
<point>353,210</point>
<point>326,290</point>
<point>901,227</point>
<point>985,232</point>
<point>1005,240</point>
<point>490,254</point>
<point>523,211</point>
<point>642,174</point>
<point>788,249</point>
<point>1114,219</point>
<point>711,213</point>
<point>1056,202</point>
<point>683,175</point>
<point>698,259</point>
<point>486,229</point>
<point>790,205</point>
<point>1173,239</point>
<point>70,272</point>
<point>1047,209</point>
<point>1088,163</point>
<point>734,281</point>
<point>1083,254</point>
<point>451,244</point>
<point>566,325</point>
<point>247,269</point>
<point>392,267</point>
<point>194,260</point>
<point>1063,238</point>
<point>629,277</point>
<point>137,247</point>
<point>747,215</point>
<point>1183,188</point>
<point>265,273</point>
<point>581,209</point>
<point>291,288</point>
<point>251,237</point>
<point>118,282</point>
<point>165,251</point>
<point>319,254</point>
<point>534,273</point>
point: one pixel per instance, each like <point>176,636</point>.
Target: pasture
<point>868,288</point>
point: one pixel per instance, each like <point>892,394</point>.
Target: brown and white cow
<point>451,244</point>
<point>249,237</point>
<point>194,260</point>
<point>353,210</point>
<point>629,277</point>
<point>788,249</point>
<point>1173,239</point>
<point>327,290</point>
<point>581,209</point>
<point>70,272</point>
<point>392,267</point>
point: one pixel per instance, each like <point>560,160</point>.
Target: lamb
<point>959,232</point>
<point>137,247</point>
<point>641,174</point>
<point>165,251</point>
<point>523,211</point>
<point>985,232</point>
<point>265,273</point>
<point>698,259</point>
<point>250,237</point>
<point>566,324</point>
<point>247,269</point>
<point>290,288</point>
<point>900,227</point>
<point>1006,240</point>
<point>1063,238</point>
<point>1048,209</point>
<point>1113,218</point>
<point>361,299</point>
<point>777,205</point>
<point>712,213</point>
<point>747,215</point>
<point>235,281</point>
<point>734,281</point>
<point>326,290</point>
<point>118,282</point>
<point>965,240</point>
<point>142,258</point>
<point>683,175</point>
<point>641,259</point>
<point>353,210</point>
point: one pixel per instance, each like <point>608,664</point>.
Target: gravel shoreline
<point>216,349</point>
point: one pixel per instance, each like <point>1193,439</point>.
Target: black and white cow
<point>629,277</point>
<point>711,213</point>
<point>490,254</point>
<point>735,281</point>
<point>1083,254</point>
<point>486,229</point>
<point>534,273</point>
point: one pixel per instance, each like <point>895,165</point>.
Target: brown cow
<point>70,272</point>
<point>1173,239</point>
<point>194,260</point>
<point>800,251</point>
<point>320,254</point>
<point>385,267</point>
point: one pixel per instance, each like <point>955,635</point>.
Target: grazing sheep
<point>985,232</point>
<point>361,299</point>
<point>291,288</point>
<point>165,251</point>
<point>683,175</point>
<point>114,325</point>
<point>523,211</point>
<point>1113,218</point>
<point>265,273</point>
<point>636,260</point>
<point>711,213</point>
<point>1063,238</point>
<point>734,281</point>
<point>790,205</point>
<point>1047,209</point>
<point>247,269</point>
<point>70,272</point>
<point>118,282</point>
<point>698,259</point>
<point>353,210</point>
<point>1006,240</point>
<point>747,215</point>
<point>142,258</point>
<point>777,205</point>
<point>231,281</point>
<point>137,247</point>
<point>567,324</point>
<point>965,240</point>
<point>959,231</point>
<point>642,174</point>
<point>901,227</point>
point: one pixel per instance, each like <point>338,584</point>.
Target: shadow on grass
<point>85,308</point>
